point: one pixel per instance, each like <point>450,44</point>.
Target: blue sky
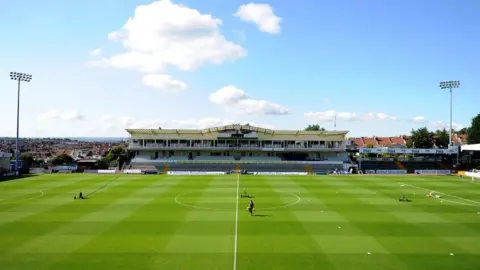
<point>277,64</point>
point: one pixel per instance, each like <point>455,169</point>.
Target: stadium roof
<point>232,127</point>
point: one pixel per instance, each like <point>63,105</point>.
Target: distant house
<point>380,142</point>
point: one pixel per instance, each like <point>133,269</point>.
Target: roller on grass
<point>81,196</point>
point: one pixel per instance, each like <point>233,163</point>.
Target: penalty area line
<point>446,194</point>
<point>12,200</point>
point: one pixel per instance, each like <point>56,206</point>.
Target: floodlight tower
<point>19,77</point>
<point>450,85</point>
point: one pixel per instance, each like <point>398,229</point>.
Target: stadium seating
<point>318,146</point>
<point>178,158</point>
<point>142,167</point>
<point>336,158</point>
<point>378,165</point>
<point>213,158</point>
<point>411,166</point>
<point>260,158</point>
<point>178,145</point>
<point>295,146</point>
<point>252,167</point>
<point>272,146</point>
<point>203,145</point>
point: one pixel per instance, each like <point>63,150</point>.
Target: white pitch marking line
<point>468,204</point>
<point>177,200</point>
<point>433,191</point>
<point>236,227</point>
<point>22,200</point>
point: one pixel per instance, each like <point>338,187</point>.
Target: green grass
<point>188,222</point>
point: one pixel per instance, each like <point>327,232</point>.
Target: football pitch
<point>201,222</point>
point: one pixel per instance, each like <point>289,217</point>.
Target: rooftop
<point>233,127</point>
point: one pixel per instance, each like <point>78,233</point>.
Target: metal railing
<point>298,147</point>
<point>326,162</point>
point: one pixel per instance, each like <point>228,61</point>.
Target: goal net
<point>475,175</point>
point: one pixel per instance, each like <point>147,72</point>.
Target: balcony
<point>220,147</point>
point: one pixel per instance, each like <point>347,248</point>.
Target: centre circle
<point>296,199</point>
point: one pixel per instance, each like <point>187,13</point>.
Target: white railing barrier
<point>194,173</point>
<point>435,172</point>
<point>107,171</point>
<point>280,173</point>
<point>130,171</point>
<point>391,172</point>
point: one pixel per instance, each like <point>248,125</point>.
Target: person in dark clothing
<point>80,196</point>
<point>251,207</point>
<point>403,198</point>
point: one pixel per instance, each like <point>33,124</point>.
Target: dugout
<point>471,155</point>
<point>87,164</point>
<point>409,159</point>
<point>5,163</point>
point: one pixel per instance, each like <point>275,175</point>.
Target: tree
<point>421,138</point>
<point>115,153</point>
<point>63,159</point>
<point>473,133</point>
<point>462,131</point>
<point>314,128</point>
<point>442,138</point>
<point>28,161</point>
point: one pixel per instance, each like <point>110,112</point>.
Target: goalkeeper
<point>251,207</point>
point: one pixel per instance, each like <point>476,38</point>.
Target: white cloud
<point>237,100</point>
<point>260,14</point>
<point>132,123</point>
<point>442,125</point>
<point>72,115</point>
<point>106,118</point>
<point>163,81</point>
<point>419,119</point>
<point>163,34</point>
<point>127,121</point>
<point>52,114</point>
<point>96,52</point>
<point>330,116</point>
<point>380,116</point>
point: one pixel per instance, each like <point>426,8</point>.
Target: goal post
<point>474,174</point>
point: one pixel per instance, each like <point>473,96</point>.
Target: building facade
<point>237,142</point>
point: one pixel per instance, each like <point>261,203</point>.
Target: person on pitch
<point>251,207</point>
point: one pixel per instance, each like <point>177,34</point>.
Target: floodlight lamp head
<point>18,76</point>
<point>14,76</point>
<point>449,84</point>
